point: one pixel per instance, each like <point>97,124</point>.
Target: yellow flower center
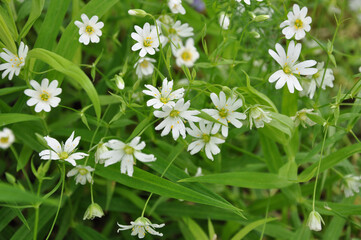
<point>302,116</point>
<point>316,75</point>
<point>83,171</point>
<point>63,155</point>
<point>174,113</point>
<point>89,29</point>
<point>16,61</point>
<point>144,64</point>
<point>44,96</point>
<point>4,139</point>
<point>223,113</point>
<point>128,150</point>
<point>172,31</point>
<point>164,100</point>
<point>298,24</point>
<point>206,138</point>
<point>147,42</point>
<point>287,69</point>
<point>186,56</point>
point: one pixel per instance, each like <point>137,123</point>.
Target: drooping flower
<point>204,139</point>
<point>302,118</point>
<point>174,117</point>
<point>225,112</point>
<point>165,97</point>
<point>44,96</point>
<point>6,138</point>
<point>224,21</point>
<point>14,63</point>
<point>176,6</point>
<point>248,2</point>
<point>89,30</point>
<point>297,23</point>
<point>94,210</point>
<point>147,39</point>
<point>258,116</point>
<point>309,88</point>
<point>314,221</point>
<point>140,226</point>
<point>65,152</point>
<point>187,55</point>
<point>290,66</point>
<point>351,185</point>
<point>144,67</point>
<point>83,174</point>
<point>101,148</point>
<point>125,153</point>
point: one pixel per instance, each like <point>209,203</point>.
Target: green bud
<point>227,90</point>
<point>119,82</point>
<point>10,178</point>
<point>94,210</point>
<point>255,34</point>
<point>137,12</point>
<point>43,169</point>
<point>252,15</point>
<point>261,18</point>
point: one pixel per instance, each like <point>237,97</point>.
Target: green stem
<point>36,223</point>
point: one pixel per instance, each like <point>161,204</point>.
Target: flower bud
<point>137,12</point>
<point>261,18</point>
<point>119,82</point>
<point>94,210</point>
<point>255,34</point>
<point>314,221</point>
<point>10,178</point>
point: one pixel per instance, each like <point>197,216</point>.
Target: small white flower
<point>290,66</point>
<point>187,55</point>
<point>65,152</point>
<point>101,148</point>
<point>89,30</point>
<point>6,138</point>
<point>44,96</point>
<point>125,153</point>
<point>316,80</point>
<point>204,139</point>
<point>94,210</point>
<point>147,39</point>
<point>248,1</point>
<point>82,174</point>
<point>140,226</point>
<point>144,67</point>
<point>176,32</point>
<point>297,23</point>
<point>224,21</point>
<point>225,112</point>
<point>351,185</point>
<point>174,117</point>
<point>14,63</point>
<point>302,118</point>
<point>258,116</point>
<point>165,97</point>
<point>165,20</point>
<point>176,6</point>
<point>314,221</point>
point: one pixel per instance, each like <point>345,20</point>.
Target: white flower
<point>176,6</point>
<point>248,1</point>
<point>44,95</point>
<point>94,210</point>
<point>89,30</point>
<point>140,226</point>
<point>204,139</point>
<point>351,185</point>
<point>6,138</point>
<point>316,80</point>
<point>225,112</point>
<point>187,55</point>
<point>297,24</point>
<point>144,67</point>
<point>302,118</point>
<point>82,174</point>
<point>101,148</point>
<point>174,117</point>
<point>125,153</point>
<point>314,221</point>
<point>147,39</point>
<point>166,20</point>
<point>165,97</point>
<point>14,63</point>
<point>290,66</point>
<point>65,152</point>
<point>176,32</point>
<point>224,21</point>
<point>258,116</point>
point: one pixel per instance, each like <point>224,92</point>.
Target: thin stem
<point>36,223</point>
<point>13,150</point>
<point>354,135</point>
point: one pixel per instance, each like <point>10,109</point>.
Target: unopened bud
<point>10,178</point>
<point>261,18</point>
<point>119,82</point>
<point>254,34</point>
<point>94,210</point>
<point>137,12</point>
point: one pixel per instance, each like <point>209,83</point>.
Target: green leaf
<point>195,229</point>
<point>36,9</point>
<point>5,36</point>
<point>249,227</point>
<point>69,69</point>
<point>255,180</point>
<point>271,153</point>
<point>24,157</point>
<point>85,232</point>
<point>289,171</point>
<point>9,118</point>
<point>9,90</point>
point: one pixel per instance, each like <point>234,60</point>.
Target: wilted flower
<point>187,55</point>
<point>14,63</point>
<point>351,185</point>
<point>176,6</point>
<point>140,226</point>
<point>144,67</point>
<point>94,210</point>
<point>258,116</point>
<point>82,174</point>
<point>6,138</point>
<point>297,23</point>
<point>65,152</point>
<point>302,118</point>
<point>44,96</point>
<point>314,221</point>
<point>89,30</point>
<point>147,39</point>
